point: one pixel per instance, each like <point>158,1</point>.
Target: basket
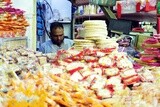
<point>104,2</point>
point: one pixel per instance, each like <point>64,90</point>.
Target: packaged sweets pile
<point>151,54</point>
<point>12,21</point>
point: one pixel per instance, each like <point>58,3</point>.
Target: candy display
<point>26,81</point>
<point>91,77</point>
<point>12,21</point>
<point>92,73</point>
<point>151,47</point>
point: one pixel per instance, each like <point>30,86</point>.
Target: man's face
<point>57,36</point>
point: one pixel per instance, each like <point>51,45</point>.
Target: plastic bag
<point>104,2</point>
<point>128,6</point>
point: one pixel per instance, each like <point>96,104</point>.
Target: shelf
<point>141,16</point>
<point>138,33</point>
<point>65,22</point>
<point>99,16</point>
<point>13,38</point>
<point>81,2</point>
<point>13,42</point>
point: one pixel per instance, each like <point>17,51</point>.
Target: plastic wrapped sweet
<point>148,59</point>
<point>12,21</point>
<point>77,80</point>
<point>157,36</point>
<point>151,51</point>
<point>151,41</point>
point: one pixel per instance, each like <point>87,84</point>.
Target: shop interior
<point>113,61</point>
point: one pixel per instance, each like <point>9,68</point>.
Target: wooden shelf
<point>141,16</point>
<point>81,2</point>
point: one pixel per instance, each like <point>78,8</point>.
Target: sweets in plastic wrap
<point>150,55</point>
<point>12,21</point>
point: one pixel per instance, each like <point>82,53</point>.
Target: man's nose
<point>59,37</point>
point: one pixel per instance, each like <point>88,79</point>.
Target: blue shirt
<point>49,47</point>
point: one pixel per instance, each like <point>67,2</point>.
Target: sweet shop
<point>80,53</point>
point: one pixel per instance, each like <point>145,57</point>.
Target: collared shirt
<point>49,47</point>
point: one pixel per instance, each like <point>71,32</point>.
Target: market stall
<point>94,72</point>
<point>96,76</point>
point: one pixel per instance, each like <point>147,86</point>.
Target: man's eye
<point>58,35</point>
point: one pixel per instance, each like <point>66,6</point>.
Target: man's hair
<point>55,25</point>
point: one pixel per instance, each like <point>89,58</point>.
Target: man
<point>57,40</point>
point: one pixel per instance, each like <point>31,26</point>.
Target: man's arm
<point>42,48</point>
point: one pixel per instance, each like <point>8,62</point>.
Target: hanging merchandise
<point>40,20</point>
<point>48,14</point>
<point>44,13</point>
<point>12,21</point>
<point>53,11</point>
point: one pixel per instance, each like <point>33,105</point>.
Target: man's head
<point>57,33</point>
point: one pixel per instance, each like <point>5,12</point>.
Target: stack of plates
<point>107,43</point>
<point>95,29</point>
<point>80,44</point>
<point>95,35</point>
